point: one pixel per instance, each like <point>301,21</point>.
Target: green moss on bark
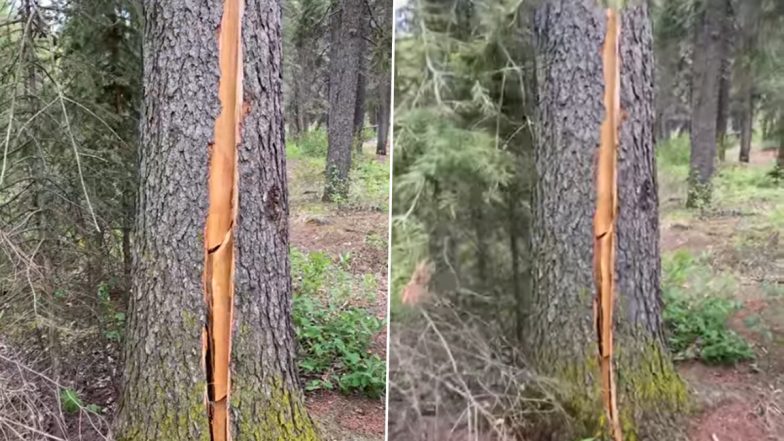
<point>273,412</point>
<point>165,422</point>
<point>651,395</point>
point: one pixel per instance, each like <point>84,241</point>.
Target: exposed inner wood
<point>604,220</point>
<point>218,235</point>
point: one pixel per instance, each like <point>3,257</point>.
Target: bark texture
<point>343,76</point>
<point>570,35</point>
<point>266,400</point>
<point>750,17</point>
<point>706,70</point>
<point>164,376</point>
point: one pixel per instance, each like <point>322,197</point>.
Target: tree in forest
<point>725,78</point>
<point>595,232</point>
<point>750,21</point>
<point>706,76</point>
<point>209,351</point>
<point>362,80</point>
<point>343,77</point>
<point>384,78</point>
<point>305,39</point>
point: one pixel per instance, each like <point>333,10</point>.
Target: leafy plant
<point>335,337</point>
<point>70,400</point>
<point>696,312</point>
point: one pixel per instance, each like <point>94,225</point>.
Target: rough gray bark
<point>750,22</point>
<point>343,76</point>
<point>164,378</point>
<point>705,101</point>
<point>570,35</point>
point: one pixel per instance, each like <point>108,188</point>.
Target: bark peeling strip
<point>221,215</point>
<point>604,220</point>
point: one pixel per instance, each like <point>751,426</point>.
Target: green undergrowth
<point>697,306</point>
<point>334,331</point>
<point>733,186</point>
<point>369,176</point>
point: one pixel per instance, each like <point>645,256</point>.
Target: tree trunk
<point>359,103</point>
<point>746,122</point>
<point>343,77</point>
<point>750,22</point>
<point>705,102</point>
<point>165,380</point>
<point>562,325</point>
<point>725,80</point>
<point>384,112</point>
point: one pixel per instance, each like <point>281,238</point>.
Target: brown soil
<point>743,402</point>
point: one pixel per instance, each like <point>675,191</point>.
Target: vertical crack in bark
<point>604,220</point>
<point>222,212</point>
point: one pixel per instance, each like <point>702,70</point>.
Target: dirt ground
<point>363,233</point>
<point>742,402</point>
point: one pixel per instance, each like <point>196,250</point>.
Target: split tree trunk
<point>343,76</point>
<point>705,102</point>
<point>165,380</point>
<point>570,36</point>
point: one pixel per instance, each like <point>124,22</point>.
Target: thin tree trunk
<point>562,325</point>
<point>384,112</point>
<point>165,380</point>
<point>343,77</point>
<point>725,80</point>
<point>359,103</point>
<point>384,84</point>
<point>749,35</point>
<point>705,103</point>
<point>746,122</point>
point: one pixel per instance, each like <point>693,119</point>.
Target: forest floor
<point>354,232</point>
<point>69,390</point>
<point>738,247</point>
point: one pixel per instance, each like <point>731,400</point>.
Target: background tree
<point>706,79</point>
<point>347,23</point>
<point>383,70</point>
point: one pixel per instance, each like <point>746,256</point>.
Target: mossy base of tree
<point>699,194</point>
<point>276,415</point>
<point>279,415</point>
<point>652,399</point>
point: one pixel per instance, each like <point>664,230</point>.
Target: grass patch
<point>697,307</point>
<point>333,335</point>
<point>312,143</point>
<point>369,176</point>
<point>737,185</point>
<point>672,155</point>
<point>369,183</point>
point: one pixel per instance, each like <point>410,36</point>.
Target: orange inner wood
<point>604,220</point>
<point>218,236</point>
